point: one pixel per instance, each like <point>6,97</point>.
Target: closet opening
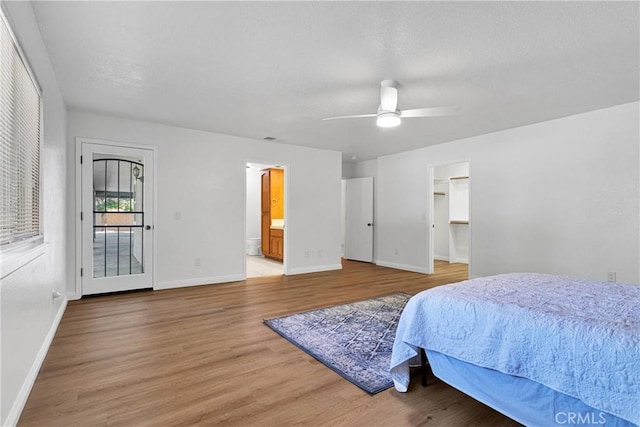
<point>450,237</point>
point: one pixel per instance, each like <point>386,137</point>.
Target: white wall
<point>559,197</point>
<point>203,175</point>
<point>343,216</point>
<point>360,169</point>
<point>29,314</point>
<point>441,222</point>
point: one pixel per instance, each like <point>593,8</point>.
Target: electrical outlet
<point>197,262</point>
<point>319,254</point>
<point>177,215</point>
<point>396,251</point>
<point>611,276</point>
<point>306,254</point>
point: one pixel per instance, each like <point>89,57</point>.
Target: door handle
<point>369,224</point>
<point>147,227</point>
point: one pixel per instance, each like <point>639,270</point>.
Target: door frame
<point>285,231</point>
<point>77,294</point>
<point>430,196</point>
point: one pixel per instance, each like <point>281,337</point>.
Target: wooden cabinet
<point>265,215</point>
<point>272,208</point>
<point>276,243</point>
<point>276,184</point>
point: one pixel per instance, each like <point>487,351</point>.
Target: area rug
<point>355,340</point>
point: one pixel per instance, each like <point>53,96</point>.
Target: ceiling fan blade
<point>351,117</point>
<point>388,95</point>
<point>430,112</point>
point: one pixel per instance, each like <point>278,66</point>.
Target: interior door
<point>117,218</point>
<point>358,243</point>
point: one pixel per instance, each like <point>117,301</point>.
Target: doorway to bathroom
<point>265,219</point>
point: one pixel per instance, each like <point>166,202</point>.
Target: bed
<point>544,350</point>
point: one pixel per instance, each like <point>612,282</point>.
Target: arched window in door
<point>118,217</point>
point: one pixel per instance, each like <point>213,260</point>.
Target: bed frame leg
<point>425,365</point>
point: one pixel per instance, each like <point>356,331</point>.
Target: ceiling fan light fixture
<point>388,120</point>
<point>389,115</point>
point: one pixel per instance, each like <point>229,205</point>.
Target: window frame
<point>18,253</point>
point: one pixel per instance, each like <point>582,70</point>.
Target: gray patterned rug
<point>355,340</point>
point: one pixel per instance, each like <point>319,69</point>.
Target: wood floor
<point>201,356</point>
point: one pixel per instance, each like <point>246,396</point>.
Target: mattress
<point>577,337</point>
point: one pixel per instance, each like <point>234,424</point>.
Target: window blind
<point>19,144</point>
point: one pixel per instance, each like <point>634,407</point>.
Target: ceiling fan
<point>388,114</point>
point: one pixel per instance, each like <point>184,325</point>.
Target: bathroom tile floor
<point>259,266</point>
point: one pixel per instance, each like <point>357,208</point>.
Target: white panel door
<point>117,218</point>
<point>358,244</point>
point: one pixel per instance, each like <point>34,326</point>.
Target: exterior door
<point>358,243</point>
<point>117,218</point>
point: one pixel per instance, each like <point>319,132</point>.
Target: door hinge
<point>81,272</point>
<point>80,159</point>
<point>81,216</point>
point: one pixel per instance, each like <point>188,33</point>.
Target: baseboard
<point>314,269</point>
<point>413,268</point>
<point>198,281</point>
<point>72,296</point>
<point>30,380</point>
<point>441,257</point>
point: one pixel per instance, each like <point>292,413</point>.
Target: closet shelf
<point>458,222</point>
<point>439,193</point>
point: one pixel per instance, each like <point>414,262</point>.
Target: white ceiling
<point>258,69</point>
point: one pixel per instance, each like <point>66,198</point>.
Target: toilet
<point>253,246</point>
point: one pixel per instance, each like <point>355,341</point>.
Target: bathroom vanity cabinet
<point>272,215</point>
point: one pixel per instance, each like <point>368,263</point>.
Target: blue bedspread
<point>576,336</point>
